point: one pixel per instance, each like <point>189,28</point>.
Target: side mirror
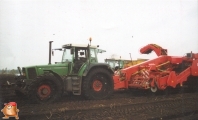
<point>72,51</point>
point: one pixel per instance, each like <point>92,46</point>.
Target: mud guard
<point>55,74</point>
<point>98,65</point>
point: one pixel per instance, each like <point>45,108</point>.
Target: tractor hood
<point>32,72</point>
<point>51,66</point>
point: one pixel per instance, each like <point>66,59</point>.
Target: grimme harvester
<point>159,73</point>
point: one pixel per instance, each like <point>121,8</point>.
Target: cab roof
<point>79,45</point>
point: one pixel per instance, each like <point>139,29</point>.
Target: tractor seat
<point>83,59</point>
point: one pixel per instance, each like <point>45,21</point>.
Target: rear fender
<point>97,65</point>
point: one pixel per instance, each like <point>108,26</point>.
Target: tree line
<point>6,71</point>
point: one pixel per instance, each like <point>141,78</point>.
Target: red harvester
<point>160,72</point>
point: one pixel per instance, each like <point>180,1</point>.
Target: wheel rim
<point>97,85</point>
<point>154,89</point>
<point>44,91</point>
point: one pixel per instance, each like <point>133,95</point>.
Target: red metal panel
<point>119,84</point>
<point>176,60</point>
<point>183,75</point>
<point>162,82</point>
<point>194,68</point>
<point>172,79</point>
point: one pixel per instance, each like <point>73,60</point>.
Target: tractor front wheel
<point>45,89</point>
<point>98,84</point>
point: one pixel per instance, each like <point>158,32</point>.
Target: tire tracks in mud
<point>148,108</point>
<point>122,105</point>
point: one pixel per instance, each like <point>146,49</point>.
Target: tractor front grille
<point>31,73</point>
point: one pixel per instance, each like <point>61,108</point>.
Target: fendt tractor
<point>79,73</point>
<point>161,72</point>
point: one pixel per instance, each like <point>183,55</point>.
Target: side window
<point>67,56</point>
<point>92,53</point>
<point>111,64</point>
<point>93,57</point>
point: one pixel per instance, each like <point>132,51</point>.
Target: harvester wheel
<point>154,89</point>
<point>45,89</point>
<point>98,84</point>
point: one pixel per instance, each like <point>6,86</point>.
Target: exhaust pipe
<point>19,69</point>
<point>50,50</point>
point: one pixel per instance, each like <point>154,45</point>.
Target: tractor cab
<point>79,55</point>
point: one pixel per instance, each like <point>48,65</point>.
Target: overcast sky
<point>27,26</point>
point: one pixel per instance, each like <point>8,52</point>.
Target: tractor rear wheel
<point>98,84</point>
<point>45,89</point>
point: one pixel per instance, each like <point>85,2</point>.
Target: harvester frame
<point>159,73</point>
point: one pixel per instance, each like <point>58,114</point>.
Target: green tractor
<point>79,73</point>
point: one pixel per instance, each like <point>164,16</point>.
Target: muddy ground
<point>173,104</point>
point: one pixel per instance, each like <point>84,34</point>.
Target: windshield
<point>111,63</point>
<point>67,56</point>
<point>115,63</point>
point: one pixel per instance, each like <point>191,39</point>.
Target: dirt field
<point>123,105</point>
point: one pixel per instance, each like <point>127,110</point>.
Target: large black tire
<point>45,89</point>
<point>98,84</point>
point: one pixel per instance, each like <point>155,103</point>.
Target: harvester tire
<point>154,89</point>
<point>98,84</point>
<point>45,89</point>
